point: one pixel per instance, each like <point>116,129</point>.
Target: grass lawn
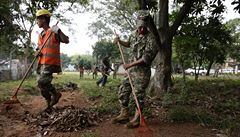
<point>209,101</point>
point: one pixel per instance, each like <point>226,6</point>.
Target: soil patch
<point>18,121</point>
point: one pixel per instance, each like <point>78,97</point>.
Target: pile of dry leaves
<point>66,119</point>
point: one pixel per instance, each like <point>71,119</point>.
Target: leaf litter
<point>64,119</point>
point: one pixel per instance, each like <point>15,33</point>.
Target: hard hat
<point>43,12</point>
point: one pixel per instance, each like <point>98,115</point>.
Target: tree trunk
<point>163,36</point>
<point>183,69</point>
<point>209,67</point>
<point>163,70</point>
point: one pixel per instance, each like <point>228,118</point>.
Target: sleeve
<point>151,50</point>
<point>131,37</point>
<point>58,38</point>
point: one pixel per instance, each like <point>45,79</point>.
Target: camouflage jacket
<point>142,47</point>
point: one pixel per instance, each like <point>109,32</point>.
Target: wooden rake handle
<point>25,75</point>
<point>130,80</point>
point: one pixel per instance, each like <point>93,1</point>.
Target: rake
<point>142,120</point>
<point>14,99</point>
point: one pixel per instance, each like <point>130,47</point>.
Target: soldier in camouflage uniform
<point>48,57</point>
<point>143,50</point>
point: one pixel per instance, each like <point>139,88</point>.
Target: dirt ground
<point>12,122</point>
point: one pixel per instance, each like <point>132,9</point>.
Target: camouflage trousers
<point>140,82</point>
<point>44,83</point>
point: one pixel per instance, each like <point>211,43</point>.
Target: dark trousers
<point>94,75</point>
<point>102,80</point>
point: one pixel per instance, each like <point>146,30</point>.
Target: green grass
<point>209,101</point>
<point>7,88</point>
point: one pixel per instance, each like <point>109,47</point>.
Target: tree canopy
<point>105,47</point>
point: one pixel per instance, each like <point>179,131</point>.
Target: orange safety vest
<point>51,51</point>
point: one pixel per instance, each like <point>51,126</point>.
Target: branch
<point>127,19</point>
<point>21,40</point>
<point>182,14</point>
<point>163,18</point>
<point>21,16</point>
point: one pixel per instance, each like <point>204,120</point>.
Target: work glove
<point>126,66</point>
<point>55,29</point>
<point>116,39</point>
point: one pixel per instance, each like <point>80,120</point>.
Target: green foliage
<point>85,60</point>
<point>8,30</point>
<point>234,25</point>
<point>211,102</point>
<point>184,95</point>
<point>104,47</point>
<point>108,95</point>
<point>167,99</point>
<point>202,41</point>
<point>181,114</point>
<point>65,60</point>
<point>116,14</point>
<point>8,87</point>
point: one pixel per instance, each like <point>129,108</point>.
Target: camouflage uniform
<point>45,78</point>
<point>145,48</point>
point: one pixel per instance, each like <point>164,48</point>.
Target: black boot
<point>49,108</point>
<point>55,97</point>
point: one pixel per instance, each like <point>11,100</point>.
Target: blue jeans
<point>102,80</point>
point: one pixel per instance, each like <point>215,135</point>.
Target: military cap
<point>142,14</point>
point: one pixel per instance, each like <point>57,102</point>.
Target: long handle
<point>130,79</point>
<point>25,75</point>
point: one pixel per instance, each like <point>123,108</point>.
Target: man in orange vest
<point>48,57</point>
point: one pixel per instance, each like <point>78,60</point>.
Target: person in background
<point>105,70</point>
<point>95,70</point>
<point>81,70</point>
<point>115,66</point>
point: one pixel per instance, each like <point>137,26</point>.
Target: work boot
<point>135,122</point>
<point>55,98</point>
<point>49,108</point>
<point>48,103</point>
<point>123,117</point>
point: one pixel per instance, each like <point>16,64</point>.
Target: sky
<point>81,42</point>
<point>230,14</point>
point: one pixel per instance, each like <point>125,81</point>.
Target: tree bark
<point>163,36</point>
<point>142,4</point>
<point>162,76</point>
<point>209,67</point>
